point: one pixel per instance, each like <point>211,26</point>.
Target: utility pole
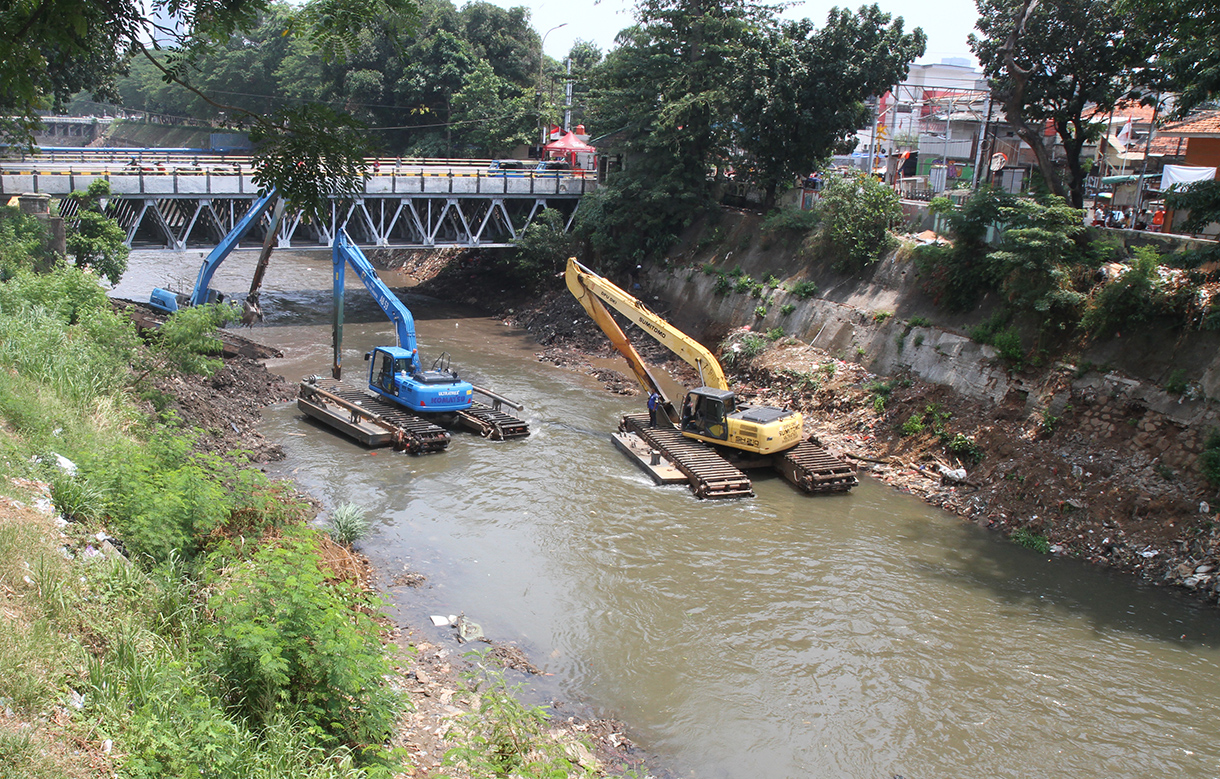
<point>567,103</point>
<point>872,133</point>
<point>1139,187</point>
<point>978,156</point>
<point>542,128</point>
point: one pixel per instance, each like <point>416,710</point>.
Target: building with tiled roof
<point>1202,135</point>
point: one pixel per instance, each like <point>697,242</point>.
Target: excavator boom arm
<point>200,293</point>
<point>592,290</point>
<point>348,253</point>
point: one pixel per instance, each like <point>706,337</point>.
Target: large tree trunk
<point>1014,102</point>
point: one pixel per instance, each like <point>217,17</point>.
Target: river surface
<point>866,635</point>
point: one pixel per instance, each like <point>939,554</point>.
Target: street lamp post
<point>541,60</point>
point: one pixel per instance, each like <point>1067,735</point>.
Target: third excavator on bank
<point>713,437</point>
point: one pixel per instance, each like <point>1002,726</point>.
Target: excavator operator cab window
<point>707,417</point>
<point>383,371</point>
<point>403,365</point>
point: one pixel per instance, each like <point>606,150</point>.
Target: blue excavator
<point>404,404</point>
<point>168,301</point>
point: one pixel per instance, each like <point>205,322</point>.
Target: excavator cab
<point>394,372</point>
<point>705,412</point>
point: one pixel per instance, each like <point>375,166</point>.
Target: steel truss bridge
<point>179,200</point>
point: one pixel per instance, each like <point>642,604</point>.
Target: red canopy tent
<point>567,147</point>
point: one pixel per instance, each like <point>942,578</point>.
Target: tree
<point>584,57</point>
<point>1049,64</point>
<point>50,48</point>
<point>857,214</point>
<point>667,92</point>
<point>491,115</point>
<point>504,39</point>
<point>1187,59</point>
<point>800,91</point>
<point>97,241</point>
<point>699,86</point>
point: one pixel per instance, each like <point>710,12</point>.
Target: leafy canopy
<point>52,48</point>
<point>800,91</point>
<point>697,88</point>
<point>96,241</point>
<point>1063,64</point>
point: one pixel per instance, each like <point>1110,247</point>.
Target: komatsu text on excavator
<point>740,436</point>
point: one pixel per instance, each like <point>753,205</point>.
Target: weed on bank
<point>181,619</point>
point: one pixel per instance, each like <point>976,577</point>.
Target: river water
<point>865,635</point>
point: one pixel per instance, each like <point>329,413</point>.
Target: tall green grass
<point>177,692</point>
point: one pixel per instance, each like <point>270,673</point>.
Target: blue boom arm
<point>227,244</point>
<point>346,253</point>
<point>167,301</point>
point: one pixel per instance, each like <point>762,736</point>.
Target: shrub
<point>505,737</point>
<point>794,220</point>
<point>348,523</point>
<point>541,250</point>
<point>286,639</point>
<point>1130,300</point>
<point>162,499</point>
<point>76,499</point>
<point>1007,344</point>
<point>858,212</point>
<point>881,316</point>
<point>804,289</point>
<point>24,243</point>
<point>984,333</point>
<point>787,309</point>
<point>1034,266</point>
<point>753,345</point>
<point>1209,459</point>
<point>1031,540</point>
<point>775,333</point>
<point>965,448</point>
<point>913,425</point>
<point>760,311</point>
<point>1176,382</point>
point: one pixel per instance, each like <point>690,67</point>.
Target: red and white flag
<point>1124,135</point>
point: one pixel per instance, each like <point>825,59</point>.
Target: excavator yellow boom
<point>592,290</point>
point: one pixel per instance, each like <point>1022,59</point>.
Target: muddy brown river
<point>865,635</point>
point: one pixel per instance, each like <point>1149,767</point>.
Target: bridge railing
<point>192,181</point>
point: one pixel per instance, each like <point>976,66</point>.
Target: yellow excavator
<point>747,436</point>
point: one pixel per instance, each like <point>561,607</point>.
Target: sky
<point>946,22</point>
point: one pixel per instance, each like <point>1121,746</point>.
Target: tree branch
<point>171,76</point>
<point>1014,101</point>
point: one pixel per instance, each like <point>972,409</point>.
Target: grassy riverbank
<point>182,617</point>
